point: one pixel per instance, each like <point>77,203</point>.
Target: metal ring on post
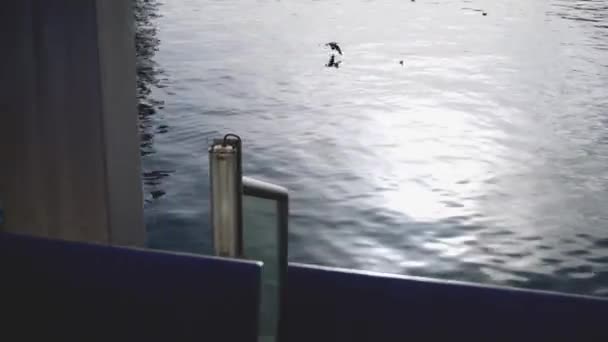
<point>238,139</point>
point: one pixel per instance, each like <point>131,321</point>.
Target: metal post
<point>226,196</point>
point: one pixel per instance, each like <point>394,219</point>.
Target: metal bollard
<point>226,196</point>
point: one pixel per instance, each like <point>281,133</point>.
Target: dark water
<point>483,158</point>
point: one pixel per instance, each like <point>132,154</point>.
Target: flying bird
<point>334,46</point>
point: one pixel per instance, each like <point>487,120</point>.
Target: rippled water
<point>483,158</point>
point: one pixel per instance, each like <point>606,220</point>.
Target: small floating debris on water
<point>484,13</point>
<point>334,46</point>
<point>332,62</point>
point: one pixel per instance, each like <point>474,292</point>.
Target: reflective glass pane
<point>261,242</point>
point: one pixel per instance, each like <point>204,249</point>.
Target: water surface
<point>483,158</point>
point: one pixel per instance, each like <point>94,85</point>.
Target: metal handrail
<point>256,188</point>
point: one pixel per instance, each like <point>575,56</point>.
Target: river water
<point>484,157</point>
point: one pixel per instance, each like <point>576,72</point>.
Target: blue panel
<point>333,305</point>
<point>79,292</point>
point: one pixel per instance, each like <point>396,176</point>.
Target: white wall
<point>69,149</point>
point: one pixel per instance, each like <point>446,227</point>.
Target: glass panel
<point>261,242</point>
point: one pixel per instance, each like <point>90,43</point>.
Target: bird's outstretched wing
<point>334,46</point>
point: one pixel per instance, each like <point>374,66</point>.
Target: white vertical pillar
<point>69,149</point>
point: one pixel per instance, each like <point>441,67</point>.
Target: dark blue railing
<point>335,305</point>
<point>63,291</point>
<point>73,292</point>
